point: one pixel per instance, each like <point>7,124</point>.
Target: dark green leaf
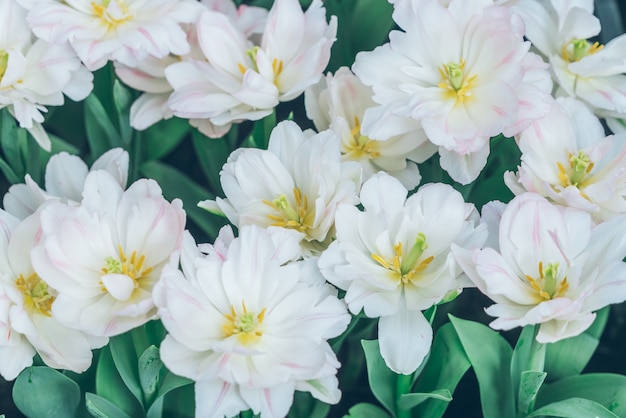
<point>125,359</point>
<point>382,380</point>
<point>212,154</point>
<point>44,392</point>
<point>10,140</point>
<point>411,400</point>
<point>366,410</point>
<point>171,382</point>
<point>161,138</point>
<point>574,408</point>
<point>110,386</point>
<point>490,356</point>
<point>177,185</point>
<point>102,134</point>
<point>305,405</point>
<point>150,367</point>
<point>103,408</point>
<point>606,389</point>
<point>570,356</point>
<point>444,369</point>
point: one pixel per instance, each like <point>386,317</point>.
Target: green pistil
<point>283,204</point>
<point>581,46</point>
<point>580,167</point>
<point>251,53</point>
<point>455,75</point>
<point>416,251</point>
<point>113,266</point>
<point>549,280</point>
<point>246,322</point>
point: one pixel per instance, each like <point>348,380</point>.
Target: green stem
<point>246,414</point>
<point>404,383</point>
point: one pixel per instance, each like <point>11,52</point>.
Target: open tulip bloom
<point>312,208</point>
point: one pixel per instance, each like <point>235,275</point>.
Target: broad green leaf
<point>170,382</point>
<point>370,23</point>
<point>44,392</point>
<point>530,384</point>
<point>305,405</point>
<point>444,369</point>
<point>574,408</point>
<point>366,410</point>
<point>411,400</point>
<point>570,356</point>
<point>490,356</point>
<point>382,381</point>
<point>175,184</point>
<point>521,355</point>
<point>110,386</point>
<point>212,154</point>
<point>150,369</point>
<point>10,141</point>
<point>100,407</point>
<point>607,389</point>
<point>261,130</point>
<point>125,359</point>
<point>102,134</point>
<point>162,137</point>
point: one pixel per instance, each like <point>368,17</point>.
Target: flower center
<point>547,284</point>
<point>247,326</point>
<point>4,62</point>
<point>130,266</point>
<point>578,49</point>
<point>111,12</point>
<point>580,165</point>
<point>277,65</point>
<point>360,145</point>
<point>455,82</point>
<point>406,268</point>
<point>36,296</point>
<point>291,216</point>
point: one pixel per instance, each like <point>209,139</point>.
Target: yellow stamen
<point>246,326</point>
<point>36,296</point>
<point>406,267</point>
<point>360,145</point>
<point>299,217</point>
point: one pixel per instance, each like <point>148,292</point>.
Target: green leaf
<point>110,386</point>
<point>125,359</point>
<point>382,381</point>
<point>570,356</point>
<point>162,137</point>
<point>103,408</point>
<point>527,365</point>
<point>102,134</point>
<point>574,408</point>
<point>122,99</point>
<point>261,130</point>
<point>177,185</point>
<point>444,369</point>
<point>44,392</point>
<point>170,382</point>
<point>366,410</point>
<point>212,154</point>
<point>305,405</point>
<point>150,369</point>
<point>490,356</point>
<point>607,389</point>
<point>530,383</point>
<point>10,141</point>
<point>411,400</point>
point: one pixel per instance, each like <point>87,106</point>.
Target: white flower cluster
<point>249,317</point>
<point>80,260</point>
